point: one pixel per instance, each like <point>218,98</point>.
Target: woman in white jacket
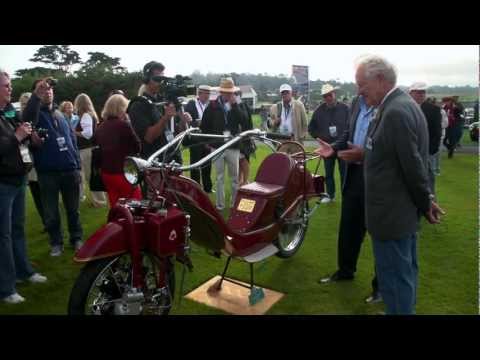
<point>84,131</point>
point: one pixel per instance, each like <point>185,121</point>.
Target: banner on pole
<point>300,74</point>
<point>300,78</point>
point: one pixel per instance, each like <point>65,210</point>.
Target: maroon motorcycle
<point>130,260</point>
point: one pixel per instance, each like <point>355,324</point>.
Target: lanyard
<point>224,111</point>
<point>201,107</point>
<point>286,112</point>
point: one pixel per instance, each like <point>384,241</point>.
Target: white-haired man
<point>396,181</point>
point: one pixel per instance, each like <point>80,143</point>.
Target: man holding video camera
<point>155,120</point>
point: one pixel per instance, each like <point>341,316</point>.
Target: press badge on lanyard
<point>62,144</point>
<point>169,132</point>
<point>333,131</point>
<point>25,154</point>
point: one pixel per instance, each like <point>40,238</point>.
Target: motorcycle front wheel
<point>293,232</point>
<point>104,287</point>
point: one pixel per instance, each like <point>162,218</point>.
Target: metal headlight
<point>133,169</point>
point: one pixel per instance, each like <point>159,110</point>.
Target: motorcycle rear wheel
<point>293,232</point>
<point>101,287</point>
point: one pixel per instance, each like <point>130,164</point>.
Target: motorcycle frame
<point>130,222</point>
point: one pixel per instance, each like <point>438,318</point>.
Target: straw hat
<point>205,88</point>
<point>228,86</point>
<point>327,88</point>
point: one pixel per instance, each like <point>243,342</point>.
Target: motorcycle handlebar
<point>254,133</point>
<point>278,136</point>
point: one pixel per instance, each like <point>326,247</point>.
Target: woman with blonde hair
<point>66,108</point>
<point>114,149</point>
<point>85,130</point>
<point>23,100</point>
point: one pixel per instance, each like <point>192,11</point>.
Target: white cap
<point>285,87</point>
<point>421,86</point>
<point>204,88</point>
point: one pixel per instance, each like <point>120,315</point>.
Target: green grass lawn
<point>448,260</point>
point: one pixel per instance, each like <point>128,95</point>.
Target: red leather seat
<point>272,176</point>
<point>262,188</point>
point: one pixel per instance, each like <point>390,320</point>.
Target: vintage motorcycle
<point>130,260</point>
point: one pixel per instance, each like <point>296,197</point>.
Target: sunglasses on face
<point>327,95</point>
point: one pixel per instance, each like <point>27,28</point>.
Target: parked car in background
<point>473,130</point>
<point>469,114</point>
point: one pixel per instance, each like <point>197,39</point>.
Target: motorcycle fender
<point>109,240</point>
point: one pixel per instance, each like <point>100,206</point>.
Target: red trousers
<point>118,187</point>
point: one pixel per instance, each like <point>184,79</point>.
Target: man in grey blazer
<point>397,189</point>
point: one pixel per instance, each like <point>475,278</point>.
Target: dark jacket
<point>50,156</point>
<point>347,136</point>
<point>434,121</point>
<point>12,168</point>
<point>215,121</point>
<point>115,149</point>
<point>324,117</point>
<point>193,142</point>
<point>342,144</point>
<point>395,168</point>
<point>191,108</point>
<point>81,141</point>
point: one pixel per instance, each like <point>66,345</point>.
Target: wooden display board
<point>233,298</point>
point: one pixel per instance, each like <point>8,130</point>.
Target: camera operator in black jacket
<point>155,126</point>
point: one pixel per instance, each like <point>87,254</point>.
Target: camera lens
<point>158,78</point>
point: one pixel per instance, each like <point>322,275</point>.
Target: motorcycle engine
<point>131,303</point>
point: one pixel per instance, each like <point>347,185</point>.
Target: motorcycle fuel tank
<point>165,233</point>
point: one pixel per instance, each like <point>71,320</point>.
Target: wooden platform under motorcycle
<point>233,298</point>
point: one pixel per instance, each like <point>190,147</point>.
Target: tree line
<point>101,73</point>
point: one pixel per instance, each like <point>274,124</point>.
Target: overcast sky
<point>454,65</point>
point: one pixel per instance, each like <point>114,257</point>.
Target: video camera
<point>51,81</point>
<point>172,89</point>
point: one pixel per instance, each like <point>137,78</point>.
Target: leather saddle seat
<point>272,176</point>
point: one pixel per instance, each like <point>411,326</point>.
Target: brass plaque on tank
<point>246,205</point>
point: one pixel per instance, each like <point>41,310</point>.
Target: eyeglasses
<point>327,95</point>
